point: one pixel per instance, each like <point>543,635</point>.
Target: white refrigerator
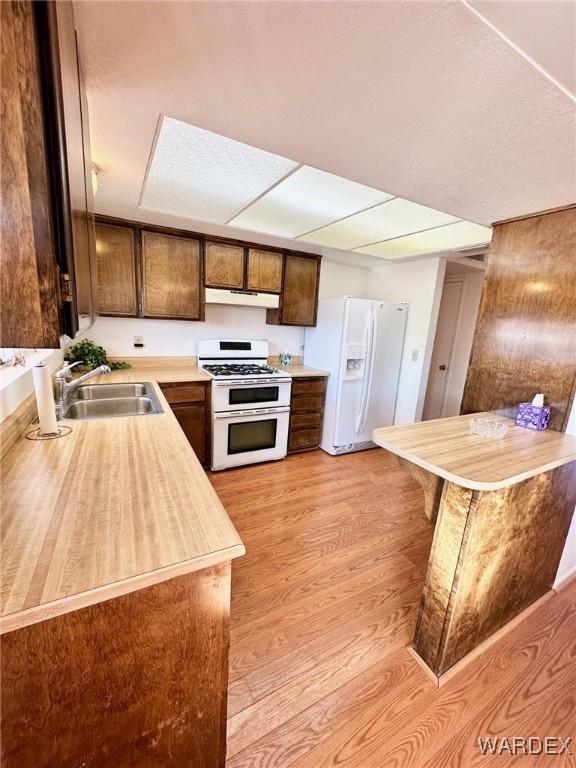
<point>360,343</point>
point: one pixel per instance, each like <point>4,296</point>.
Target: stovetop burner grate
<point>239,369</point>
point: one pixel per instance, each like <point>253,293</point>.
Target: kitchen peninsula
<point>115,596</point>
<point>502,509</point>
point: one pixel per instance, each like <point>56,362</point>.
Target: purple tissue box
<point>533,416</point>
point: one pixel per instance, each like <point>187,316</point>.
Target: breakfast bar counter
<point>502,509</point>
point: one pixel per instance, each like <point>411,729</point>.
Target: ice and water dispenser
<point>355,355</point>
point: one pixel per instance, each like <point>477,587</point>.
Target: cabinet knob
<point>442,367</point>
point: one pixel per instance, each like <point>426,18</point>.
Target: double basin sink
<point>104,401</point>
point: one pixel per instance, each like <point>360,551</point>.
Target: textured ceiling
<point>421,99</point>
<point>544,30</point>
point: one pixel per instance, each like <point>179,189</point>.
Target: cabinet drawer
<point>308,386</point>
<point>184,393</point>
<point>306,438</point>
<point>305,420</point>
<point>307,404</point>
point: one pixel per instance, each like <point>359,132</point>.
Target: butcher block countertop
<point>117,505</point>
<point>447,448</point>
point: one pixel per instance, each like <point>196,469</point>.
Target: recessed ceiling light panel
<point>202,175</point>
<point>392,219</point>
<point>307,199</point>
<point>460,235</point>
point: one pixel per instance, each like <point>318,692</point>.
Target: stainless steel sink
<point>104,401</point>
<point>107,391</point>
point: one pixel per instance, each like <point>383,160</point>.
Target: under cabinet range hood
<point>242,298</point>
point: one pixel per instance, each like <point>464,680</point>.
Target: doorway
<point>453,340</point>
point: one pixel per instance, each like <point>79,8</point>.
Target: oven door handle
<point>260,382</point>
<point>258,412</point>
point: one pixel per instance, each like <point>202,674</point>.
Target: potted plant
<point>92,356</point>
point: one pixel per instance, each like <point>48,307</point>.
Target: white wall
<point>420,284</point>
<point>180,337</point>
<point>341,280</point>
<point>16,384</point>
<point>567,565</point>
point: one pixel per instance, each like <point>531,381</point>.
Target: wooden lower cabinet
<point>306,413</point>
<point>139,680</point>
<point>190,403</point>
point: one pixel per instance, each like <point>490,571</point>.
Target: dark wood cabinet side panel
<point>29,291</point>
<point>138,680</point>
<point>524,341</point>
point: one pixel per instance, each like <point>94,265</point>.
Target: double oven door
<point>249,421</point>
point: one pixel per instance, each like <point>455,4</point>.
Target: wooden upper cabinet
<point>116,270</point>
<point>171,277</point>
<point>299,299</point>
<point>264,271</point>
<point>224,266</point>
<point>29,296</point>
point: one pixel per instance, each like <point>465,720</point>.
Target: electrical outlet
<point>414,357</point>
<point>138,341</point>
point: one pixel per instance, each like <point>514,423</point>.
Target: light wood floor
<point>323,607</point>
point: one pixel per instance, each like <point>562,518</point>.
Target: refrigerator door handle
<point>374,325</point>
<point>368,367</point>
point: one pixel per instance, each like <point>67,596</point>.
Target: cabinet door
<point>29,296</point>
<point>300,295</point>
<point>264,271</point>
<point>116,271</point>
<point>192,419</point>
<point>171,277</point>
<point>224,266</point>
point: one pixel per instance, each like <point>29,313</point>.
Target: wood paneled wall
<point>525,340</point>
<point>29,294</point>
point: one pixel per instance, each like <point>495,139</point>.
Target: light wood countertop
<point>177,369</point>
<point>302,371</point>
<point>117,505</point>
<point>450,450</point>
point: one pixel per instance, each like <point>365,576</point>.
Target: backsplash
<point>179,337</point>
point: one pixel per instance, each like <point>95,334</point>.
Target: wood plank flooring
<point>323,609</point>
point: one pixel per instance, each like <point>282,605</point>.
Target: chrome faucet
<point>64,387</point>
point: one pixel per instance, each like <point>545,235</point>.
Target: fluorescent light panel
<point>392,219</point>
<point>307,199</point>
<point>463,234</point>
<point>202,175</point>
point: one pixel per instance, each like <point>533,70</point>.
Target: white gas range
<point>250,402</point>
